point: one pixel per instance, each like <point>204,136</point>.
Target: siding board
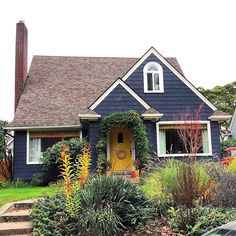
<point>21,169</point>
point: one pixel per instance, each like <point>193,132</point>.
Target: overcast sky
<point>200,33</point>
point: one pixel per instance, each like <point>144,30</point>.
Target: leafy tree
<point>223,97</point>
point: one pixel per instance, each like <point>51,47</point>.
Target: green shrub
<point>179,182</point>
<point>50,218</point>
<point>39,179</point>
<point>127,201</point>
<point>107,205</point>
<point>198,220</point>
<point>193,183</point>
<point>51,158</point>
<point>99,222</point>
<point>18,183</point>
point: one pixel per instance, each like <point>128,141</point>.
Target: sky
<point>201,34</point>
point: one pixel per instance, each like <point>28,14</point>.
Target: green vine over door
<point>132,120</point>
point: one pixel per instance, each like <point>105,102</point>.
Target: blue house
<point>70,96</point>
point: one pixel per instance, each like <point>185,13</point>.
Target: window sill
<point>33,163</point>
<point>159,91</point>
<point>184,155</point>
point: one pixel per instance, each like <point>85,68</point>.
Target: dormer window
<point>153,78</point>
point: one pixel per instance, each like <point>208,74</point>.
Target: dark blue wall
<point>215,138</point>
<point>176,97</point>
<point>21,169</point>
<point>119,100</point>
<point>94,134</point>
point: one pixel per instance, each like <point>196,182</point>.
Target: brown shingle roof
<point>151,111</point>
<point>60,88</point>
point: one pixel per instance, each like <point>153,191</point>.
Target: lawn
<point>15,194</point>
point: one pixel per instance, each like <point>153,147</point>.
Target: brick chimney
<point>21,58</point>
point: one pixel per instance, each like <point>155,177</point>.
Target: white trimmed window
<point>169,143</point>
<point>39,141</point>
<point>153,78</point>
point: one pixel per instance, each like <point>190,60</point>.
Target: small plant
<point>193,183</point>
<point>198,220</point>
<point>18,183</point>
<point>39,179</point>
<point>67,174</point>
<point>83,164</point>
<point>49,217</point>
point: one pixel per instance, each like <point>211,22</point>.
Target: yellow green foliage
<point>67,174</point>
<point>232,167</point>
<point>84,162</point>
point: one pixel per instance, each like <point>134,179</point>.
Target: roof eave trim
<point>152,116</point>
<point>176,72</point>
<point>42,127</point>
<point>219,118</point>
<point>89,117</point>
<point>112,87</point>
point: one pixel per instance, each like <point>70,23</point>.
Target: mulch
<point>152,228</point>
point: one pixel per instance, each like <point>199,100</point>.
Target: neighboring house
<point>69,97</point>
<point>232,127</point>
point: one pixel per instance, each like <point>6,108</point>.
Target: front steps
<point>14,219</point>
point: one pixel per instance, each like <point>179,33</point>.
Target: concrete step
<point>16,228</point>
<point>15,215</point>
<point>23,205</point>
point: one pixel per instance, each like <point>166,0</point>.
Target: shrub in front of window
<point>51,158</point>
<point>179,183</point>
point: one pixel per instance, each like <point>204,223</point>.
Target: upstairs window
<point>153,78</point>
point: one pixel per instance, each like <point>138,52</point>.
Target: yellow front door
<point>121,149</point>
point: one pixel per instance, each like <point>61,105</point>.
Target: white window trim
<point>160,73</point>
<point>28,162</point>
<point>183,122</point>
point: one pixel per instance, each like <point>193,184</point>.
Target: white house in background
<point>232,127</point>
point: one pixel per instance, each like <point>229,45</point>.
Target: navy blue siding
<point>21,169</point>
<point>176,97</point>
<point>119,100</point>
<point>151,131</point>
<point>215,138</point>
<point>94,134</point>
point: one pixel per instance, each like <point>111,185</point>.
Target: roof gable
<point>112,87</point>
<point>177,72</point>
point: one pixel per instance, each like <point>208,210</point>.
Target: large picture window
<point>38,142</point>
<point>170,144</point>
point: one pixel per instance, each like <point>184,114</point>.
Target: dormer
<point>153,78</point>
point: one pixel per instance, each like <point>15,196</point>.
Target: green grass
<point>15,194</point>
